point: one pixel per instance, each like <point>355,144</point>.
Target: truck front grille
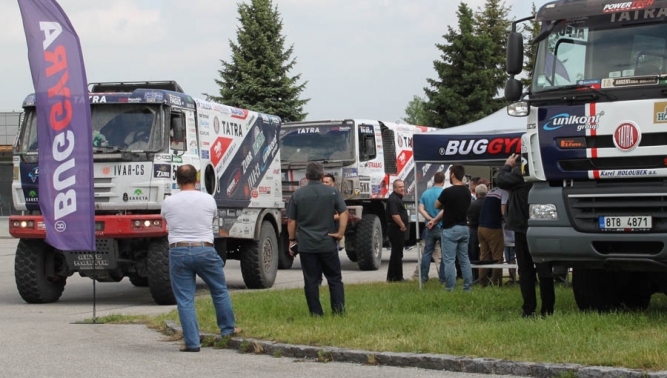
<point>586,203</point>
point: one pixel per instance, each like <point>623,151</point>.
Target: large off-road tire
<point>159,281</point>
<point>138,281</point>
<point>594,289</point>
<point>635,291</point>
<point>259,259</point>
<point>29,272</point>
<point>285,260</point>
<point>368,242</point>
<point>349,248</point>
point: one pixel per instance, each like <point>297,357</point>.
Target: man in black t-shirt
<point>454,201</point>
<point>397,221</point>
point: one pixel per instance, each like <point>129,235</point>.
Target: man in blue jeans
<point>454,202</point>
<point>432,233</point>
<point>189,215</point>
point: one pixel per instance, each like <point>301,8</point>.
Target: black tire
<point>368,242</point>
<point>159,281</point>
<point>259,259</point>
<point>285,260</point>
<point>636,292</point>
<point>594,289</point>
<point>138,281</point>
<point>349,247</point>
<point>31,281</point>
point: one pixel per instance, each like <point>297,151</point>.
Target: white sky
<point>361,58</point>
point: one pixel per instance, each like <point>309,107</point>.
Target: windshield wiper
<point>578,86</point>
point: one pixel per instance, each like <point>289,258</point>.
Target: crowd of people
<point>464,222</point>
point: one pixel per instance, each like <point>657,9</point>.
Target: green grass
<point>484,323</point>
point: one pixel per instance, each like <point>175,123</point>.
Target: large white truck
<point>365,157</point>
<point>596,146</point>
<point>142,132</point>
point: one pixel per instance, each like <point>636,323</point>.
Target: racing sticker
<point>162,170</point>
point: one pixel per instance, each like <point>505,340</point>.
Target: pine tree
<point>465,87</point>
<point>256,77</point>
<point>492,21</point>
<point>416,113</point>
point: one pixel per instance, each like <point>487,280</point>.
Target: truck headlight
<point>543,211</point>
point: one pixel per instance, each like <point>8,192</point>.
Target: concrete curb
<point>427,361</point>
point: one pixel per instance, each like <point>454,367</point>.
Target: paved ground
<point>43,341</point>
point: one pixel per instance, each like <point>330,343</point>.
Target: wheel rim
<point>377,242</point>
<point>267,254</point>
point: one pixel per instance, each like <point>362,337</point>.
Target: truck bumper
<point>623,251</point>
<point>106,226</point>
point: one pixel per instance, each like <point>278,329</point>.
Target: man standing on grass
<point>311,211</point>
<point>397,219</point>
<point>433,231</point>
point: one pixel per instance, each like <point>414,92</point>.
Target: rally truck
<point>365,157</point>
<point>142,132</point>
<point>595,146</point>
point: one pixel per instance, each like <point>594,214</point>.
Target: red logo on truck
<point>218,149</point>
<point>627,136</point>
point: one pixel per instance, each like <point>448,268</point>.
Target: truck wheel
<point>368,243</point>
<point>159,281</point>
<point>285,260</point>
<point>637,291</point>
<point>259,259</point>
<point>594,289</point>
<point>29,266</point>
<point>349,247</point>
<point>138,281</point>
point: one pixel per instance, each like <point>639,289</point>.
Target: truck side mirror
<point>514,53</point>
<point>513,89</point>
<point>178,126</point>
<point>370,147</point>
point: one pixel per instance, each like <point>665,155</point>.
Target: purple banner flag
<point>64,130</point>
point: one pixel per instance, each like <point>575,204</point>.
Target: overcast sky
<point>361,58</point>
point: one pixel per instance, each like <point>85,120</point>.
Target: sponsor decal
<point>565,143</point>
<point>233,182</point>
<point>229,128</point>
<point>254,193</point>
<point>175,100</point>
<point>308,130</point>
<point>566,119</point>
<point>216,125</point>
<point>629,82</point>
<point>629,172</point>
<point>246,162</point>
<point>627,136</point>
<point>660,112</point>
<point>239,113</point>
<point>106,171</point>
<point>151,96</point>
<point>34,174</point>
<point>138,195</point>
<point>177,159</point>
<point>259,140</point>
<point>32,197</point>
<point>647,14</point>
<point>495,146</point>
<point>162,171</point>
<point>350,172</point>
<point>97,99</point>
<point>269,151</point>
<point>365,129</point>
<point>375,164</point>
<point>626,6</point>
<point>205,154</point>
<point>128,170</point>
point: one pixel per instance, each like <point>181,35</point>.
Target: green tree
<point>492,21</point>
<point>530,30</point>
<point>465,87</point>
<point>416,112</point>
<point>256,77</point>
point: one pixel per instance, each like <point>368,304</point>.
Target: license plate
<point>626,223</point>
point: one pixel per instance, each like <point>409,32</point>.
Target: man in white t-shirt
<point>189,215</point>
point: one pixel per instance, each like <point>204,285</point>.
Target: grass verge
<point>485,323</point>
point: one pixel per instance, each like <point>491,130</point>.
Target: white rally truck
<point>142,132</point>
<point>596,146</point>
<point>365,157</point>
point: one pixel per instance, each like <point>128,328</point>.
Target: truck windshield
<point>317,143</point>
<point>606,51</point>
<point>115,126</point>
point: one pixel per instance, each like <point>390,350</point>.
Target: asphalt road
<point>44,341</point>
